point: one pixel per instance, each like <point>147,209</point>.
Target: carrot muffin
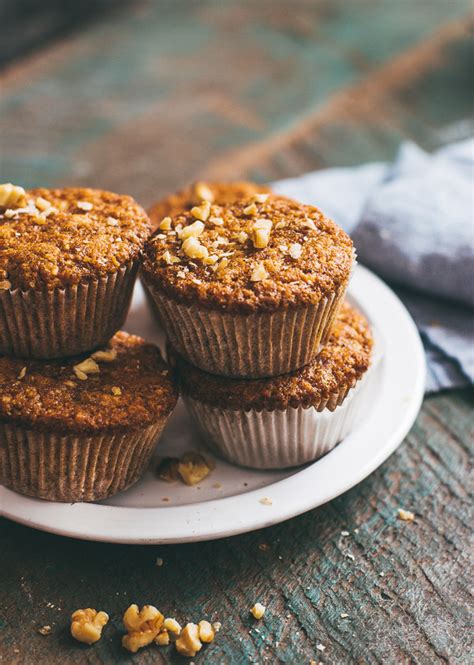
<point>215,192</point>
<point>68,263</point>
<point>84,428</point>
<point>285,420</point>
<point>248,289</point>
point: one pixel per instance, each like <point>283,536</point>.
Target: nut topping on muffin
<point>258,274</point>
<point>57,237</point>
<point>48,395</point>
<point>212,192</point>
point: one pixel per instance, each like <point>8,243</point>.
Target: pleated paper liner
<point>65,322</point>
<point>282,438</point>
<point>247,345</point>
<point>74,467</point>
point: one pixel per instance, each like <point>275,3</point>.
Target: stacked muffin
<point>249,287</point>
<point>80,406</point>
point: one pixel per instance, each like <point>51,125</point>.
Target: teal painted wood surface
<point>162,93</point>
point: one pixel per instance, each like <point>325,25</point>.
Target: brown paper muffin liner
<point>247,345</point>
<point>281,438</point>
<point>74,467</point>
<point>65,322</point>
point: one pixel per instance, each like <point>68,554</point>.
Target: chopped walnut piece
<point>223,263</point>
<point>260,197</point>
<point>251,209</point>
<point>259,273</point>
<point>169,258</point>
<point>107,356</point>
<point>265,501</point>
<point>202,211</point>
<point>167,469</point>
<point>192,230</point>
<point>217,626</point>
<point>12,196</point>
<point>206,632</point>
<point>217,221</point>
<point>193,248</point>
<point>295,250</point>
<point>84,205</point>
<point>172,626</point>
<point>211,260</point>
<point>203,192</point>
<point>45,630</point>
<point>261,233</point>
<point>42,204</point>
<point>309,224</point>
<point>87,625</point>
<point>193,468</point>
<point>188,643</point>
<point>405,515</point>
<point>242,237</point>
<point>86,367</point>
<point>142,626</point>
<point>162,639</point>
<point>165,224</point>
<point>258,610</point>
<point>5,284</point>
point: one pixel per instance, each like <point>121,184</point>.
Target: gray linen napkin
<point>412,222</point>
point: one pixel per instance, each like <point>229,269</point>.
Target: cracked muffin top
<point>123,386</point>
<point>215,192</point>
<point>265,253</point>
<point>342,362</point>
<point>57,237</point>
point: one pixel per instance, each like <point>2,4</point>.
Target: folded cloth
<point>412,222</point>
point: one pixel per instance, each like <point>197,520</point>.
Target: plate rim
<point>44,515</point>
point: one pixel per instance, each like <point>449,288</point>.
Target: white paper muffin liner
<point>279,439</point>
<point>285,438</point>
<point>74,467</point>
<point>65,322</point>
<point>247,345</point>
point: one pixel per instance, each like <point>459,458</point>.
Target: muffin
<point>68,263</point>
<point>286,420</point>
<point>251,288</point>
<point>215,192</point>
<point>82,429</point>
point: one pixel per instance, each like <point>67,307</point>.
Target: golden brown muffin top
<point>216,192</point>
<point>339,365</point>
<point>63,236</point>
<point>265,253</point>
<point>124,386</point>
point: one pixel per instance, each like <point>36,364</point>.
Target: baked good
<point>285,420</point>
<point>68,263</point>
<point>215,192</point>
<point>248,289</point>
<point>84,428</point>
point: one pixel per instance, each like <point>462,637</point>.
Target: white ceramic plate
<point>228,501</point>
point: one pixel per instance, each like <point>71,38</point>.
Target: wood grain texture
<point>165,93</point>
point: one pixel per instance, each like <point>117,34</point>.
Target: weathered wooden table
<point>158,94</point>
